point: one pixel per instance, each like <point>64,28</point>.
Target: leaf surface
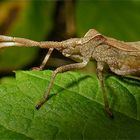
<point>76,112</point>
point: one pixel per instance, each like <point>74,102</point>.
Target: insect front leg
<point>60,70</point>
<point>45,60</point>
<point>100,68</point>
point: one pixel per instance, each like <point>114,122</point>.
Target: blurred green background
<point>57,20</point>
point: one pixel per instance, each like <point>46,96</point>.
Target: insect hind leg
<point>100,67</point>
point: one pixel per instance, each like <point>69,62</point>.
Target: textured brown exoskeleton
<point>122,58</point>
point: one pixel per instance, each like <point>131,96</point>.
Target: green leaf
<point>76,112</point>
<point>7,80</point>
<point>7,134</point>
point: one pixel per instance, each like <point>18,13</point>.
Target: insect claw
<point>39,105</point>
<point>36,68</point>
<point>109,112</point>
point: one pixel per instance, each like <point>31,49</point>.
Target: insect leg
<point>60,70</point>
<point>100,67</point>
<point>44,60</point>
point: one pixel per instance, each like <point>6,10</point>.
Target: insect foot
<point>109,112</point>
<point>36,68</point>
<point>38,106</point>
